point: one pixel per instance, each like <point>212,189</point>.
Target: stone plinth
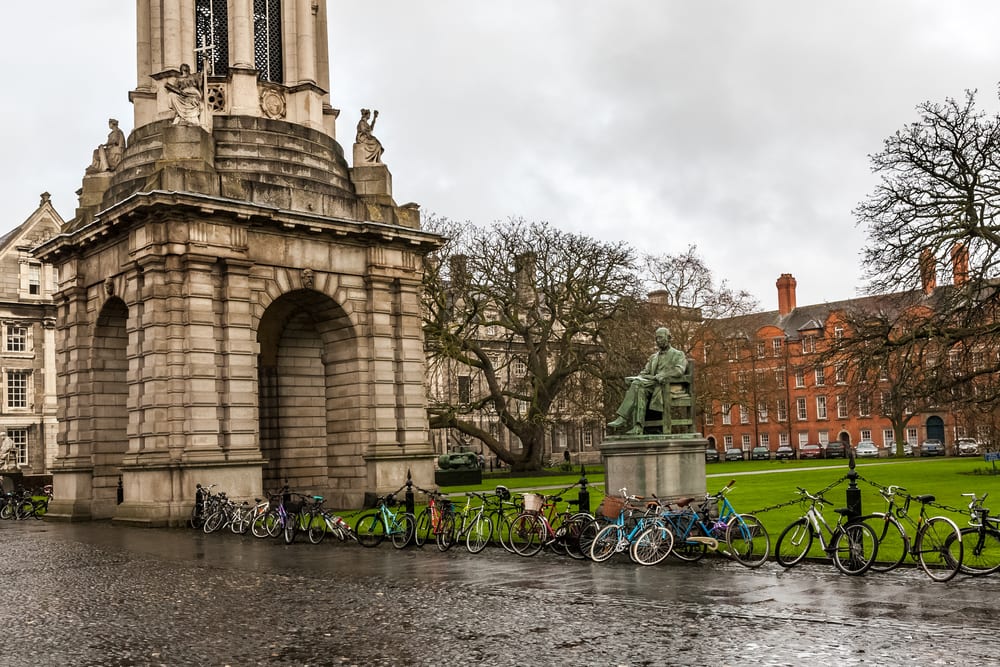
<point>668,466</point>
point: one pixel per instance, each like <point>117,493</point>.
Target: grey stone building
<point>27,344</point>
<point>236,304</point>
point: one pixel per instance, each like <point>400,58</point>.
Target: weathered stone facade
<point>236,306</point>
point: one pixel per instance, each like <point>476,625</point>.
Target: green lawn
<point>768,488</point>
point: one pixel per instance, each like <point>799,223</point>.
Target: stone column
<point>244,95</point>
<point>305,41</point>
<point>172,52</point>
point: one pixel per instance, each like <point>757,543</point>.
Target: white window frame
<point>801,409</point>
<point>821,407</point>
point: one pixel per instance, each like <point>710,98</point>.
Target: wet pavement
<point>96,594</point>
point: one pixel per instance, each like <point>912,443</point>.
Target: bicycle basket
<point>293,506</point>
<point>533,502</point>
<point>610,507</point>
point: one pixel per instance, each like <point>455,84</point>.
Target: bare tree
<point>938,200</point>
<point>521,309</point>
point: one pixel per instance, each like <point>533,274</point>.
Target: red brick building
<point>765,382</point>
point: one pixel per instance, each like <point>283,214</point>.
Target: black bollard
<point>584,498</point>
<point>853,492</point>
<point>121,491</point>
<point>408,497</point>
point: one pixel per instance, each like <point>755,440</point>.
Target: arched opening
<point>935,429</point>
<point>310,396</point>
<point>845,438</point>
<point>109,384</point>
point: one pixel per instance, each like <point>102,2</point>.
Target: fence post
<point>853,492</point>
<point>408,497</point>
<point>584,499</point>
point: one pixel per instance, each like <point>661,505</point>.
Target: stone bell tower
<point>237,305</point>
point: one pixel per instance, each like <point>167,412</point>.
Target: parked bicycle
<point>541,525</point>
<point>471,524</point>
<point>639,529</point>
<point>852,545</point>
<point>936,545</point>
<point>428,522</point>
<point>980,539</point>
<point>374,527</point>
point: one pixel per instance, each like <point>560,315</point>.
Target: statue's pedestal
<point>669,466</point>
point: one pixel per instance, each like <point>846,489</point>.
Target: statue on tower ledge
<point>108,155</point>
<point>186,97</point>
<point>370,148</point>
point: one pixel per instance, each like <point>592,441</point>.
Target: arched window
<point>267,39</point>
<point>212,36</point>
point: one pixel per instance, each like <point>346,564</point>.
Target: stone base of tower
<point>74,501</point>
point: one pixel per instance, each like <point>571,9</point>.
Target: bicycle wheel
<point>893,542</point>
<point>7,512</point>
<point>527,534</point>
<point>606,542</point>
<point>214,521</point>
<point>748,541</point>
<point>652,545</point>
<point>402,530</point>
<point>370,529</point>
<point>574,527</point>
<point>261,524</point>
<point>241,521</point>
<point>422,529</point>
<point>939,548</point>
<point>317,527</point>
<point>277,524</point>
<point>855,548</point>
<point>501,531</point>
<point>479,534</point>
<point>981,550</point>
<point>794,542</point>
<point>291,527</point>
<point>588,532</point>
<point>688,551</point>
<point>447,531</point>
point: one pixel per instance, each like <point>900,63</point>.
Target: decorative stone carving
<point>272,103</point>
<point>109,287</point>
<point>186,97</point>
<point>366,146</point>
<point>217,98</point>
<point>307,277</point>
<point>108,155</point>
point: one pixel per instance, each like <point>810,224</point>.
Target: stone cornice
<point>141,204</point>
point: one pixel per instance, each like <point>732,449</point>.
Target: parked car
<point>760,453</point>
<point>866,449</point>
<point>931,448</point>
<point>810,452</point>
<point>968,447</point>
<point>734,454</point>
<point>908,449</point>
<point>711,455</point>
<point>836,450</point>
<point>784,453</point>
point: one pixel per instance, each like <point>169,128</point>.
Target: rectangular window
<point>267,39</point>
<point>911,436</point>
<point>800,407</point>
<point>803,438</point>
<point>709,418</point>
<point>779,377</point>
<point>34,279</point>
<point>744,415</point>
<point>762,411</point>
<point>777,345</point>
<point>727,414</point>
<point>820,375</point>
<point>864,406</point>
<point>727,440</point>
<point>886,402</point>
<point>838,332</point>
<point>746,441</point>
<point>20,438</point>
<point>808,344</point>
<point>588,438</point>
<point>800,379</point>
<point>824,437</point>
<point>782,410</point>
<point>866,434</point>
<point>761,349</point>
<point>464,389</point>
<point>821,407</point>
<point>841,374</point>
<point>782,439</point>
<point>17,338</point>
<point>841,407</point>
<point>17,389</point>
<point>765,440</point>
<point>212,36</point>
<point>888,437</point>
<point>520,368</point>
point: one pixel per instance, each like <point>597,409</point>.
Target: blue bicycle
<point>374,527</point>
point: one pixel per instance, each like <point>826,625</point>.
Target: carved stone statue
<point>646,388</point>
<point>186,97</point>
<point>108,155</point>
<point>6,453</point>
<point>371,148</point>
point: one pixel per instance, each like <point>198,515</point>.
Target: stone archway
<point>109,423</point>
<point>935,429</point>
<point>845,438</point>
<point>310,408</point>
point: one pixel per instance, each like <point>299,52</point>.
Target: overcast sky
<point>741,127</point>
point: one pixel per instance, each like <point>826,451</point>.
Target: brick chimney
<point>959,264</point>
<point>786,293</point>
<point>928,273</point>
